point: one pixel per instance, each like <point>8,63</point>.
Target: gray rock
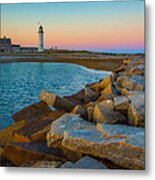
<point>56,101</point>
<point>107,104</point>
<point>105,115</point>
<point>66,122</point>
<point>117,144</point>
<point>121,103</point>
<point>91,95</point>
<point>67,165</point>
<point>130,84</point>
<point>136,110</point>
<point>133,135</point>
<point>85,163</point>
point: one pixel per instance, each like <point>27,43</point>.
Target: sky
<point>109,26</point>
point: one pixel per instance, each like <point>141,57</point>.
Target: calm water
<point>21,83</point>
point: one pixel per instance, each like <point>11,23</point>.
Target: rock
<point>109,89</point>
<point>71,155</point>
<point>41,134</point>
<point>79,96</point>
<point>36,129</point>
<point>120,69</point>
<point>47,164</point>
<point>126,62</point>
<point>107,104</point>
<point>97,87</point>
<point>78,109</point>
<point>7,135</point>
<point>65,122</point>
<point>136,93</point>
<point>120,131</point>
<point>103,114</point>
<point>121,103</point>
<point>106,81</point>
<point>136,110</point>
<point>90,111</point>
<point>138,79</point>
<point>91,95</point>
<point>32,112</point>
<point>67,165</point>
<point>85,163</point>
<point>5,162</point>
<point>57,102</point>
<point>117,87</point>
<point>21,153</point>
<point>105,97</point>
<point>120,145</point>
<point>129,84</point>
<point>125,92</point>
<point>139,70</point>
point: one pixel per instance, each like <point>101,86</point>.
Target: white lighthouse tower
<point>41,39</point>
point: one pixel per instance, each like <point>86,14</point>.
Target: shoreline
<point>95,62</point>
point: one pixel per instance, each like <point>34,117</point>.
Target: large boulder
<point>85,163</point>
<point>32,112</point>
<point>140,69</point>
<point>21,153</point>
<point>122,146</point>
<point>121,103</point>
<point>109,89</point>
<point>40,135</point>
<point>136,110</point>
<point>106,115</point>
<point>105,97</point>
<point>91,95</point>
<point>130,84</point>
<point>57,101</point>
<point>79,96</point>
<point>120,131</point>
<point>97,87</point>
<point>36,129</point>
<point>64,123</point>
<point>7,135</point>
<point>78,109</point>
<point>107,104</point>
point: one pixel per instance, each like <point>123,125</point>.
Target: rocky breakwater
<point>100,127</point>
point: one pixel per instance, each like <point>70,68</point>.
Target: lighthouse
<point>41,39</point>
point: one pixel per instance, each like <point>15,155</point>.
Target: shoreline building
<point>41,39</point>
<point>5,45</point>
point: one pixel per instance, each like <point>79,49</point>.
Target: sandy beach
<point>89,60</point>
